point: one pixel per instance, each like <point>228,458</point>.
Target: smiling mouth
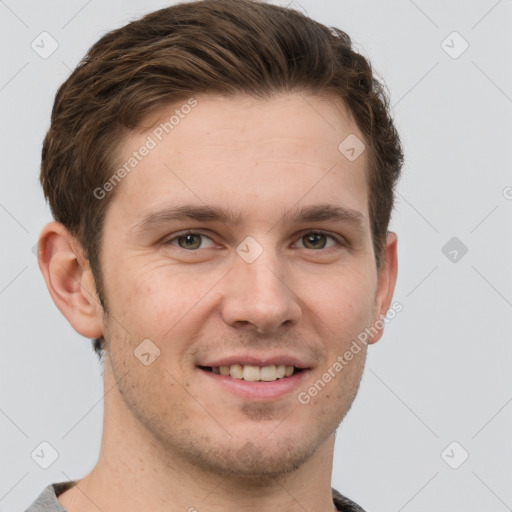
<point>254,373</point>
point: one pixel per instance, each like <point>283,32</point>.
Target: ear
<point>70,280</point>
<point>386,281</point>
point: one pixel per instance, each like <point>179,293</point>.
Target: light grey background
<point>440,374</point>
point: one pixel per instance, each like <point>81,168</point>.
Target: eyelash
<point>339,241</point>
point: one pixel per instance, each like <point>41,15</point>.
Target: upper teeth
<point>254,373</point>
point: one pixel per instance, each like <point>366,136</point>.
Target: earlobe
<point>386,282</point>
<point>69,279</point>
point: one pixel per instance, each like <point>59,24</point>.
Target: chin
<point>251,462</point>
<point>254,460</point>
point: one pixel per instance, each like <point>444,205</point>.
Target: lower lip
<point>259,390</point>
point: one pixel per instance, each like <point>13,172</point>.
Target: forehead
<point>251,154</point>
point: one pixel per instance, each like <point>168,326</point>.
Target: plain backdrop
<point>430,428</point>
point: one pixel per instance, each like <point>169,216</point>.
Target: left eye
<point>311,240</point>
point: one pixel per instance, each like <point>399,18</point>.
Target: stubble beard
<point>252,462</point>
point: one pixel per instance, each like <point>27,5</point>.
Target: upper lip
<point>255,360</point>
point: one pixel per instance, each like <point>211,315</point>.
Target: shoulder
<point>47,501</point>
<point>344,504</point>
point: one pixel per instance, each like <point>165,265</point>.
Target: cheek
<point>345,301</point>
<point>160,302</point>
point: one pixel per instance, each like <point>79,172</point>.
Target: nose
<point>259,296</point>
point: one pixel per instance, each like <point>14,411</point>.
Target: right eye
<point>188,240</point>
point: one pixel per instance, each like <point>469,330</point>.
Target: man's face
<point>193,287</point>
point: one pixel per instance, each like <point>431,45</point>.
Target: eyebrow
<point>210,213</point>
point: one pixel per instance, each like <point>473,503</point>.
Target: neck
<point>135,473</point>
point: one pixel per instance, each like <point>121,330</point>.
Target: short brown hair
<point>206,46</point>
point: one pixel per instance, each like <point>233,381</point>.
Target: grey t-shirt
<point>47,501</point>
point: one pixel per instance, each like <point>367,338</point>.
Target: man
<point>221,175</point>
